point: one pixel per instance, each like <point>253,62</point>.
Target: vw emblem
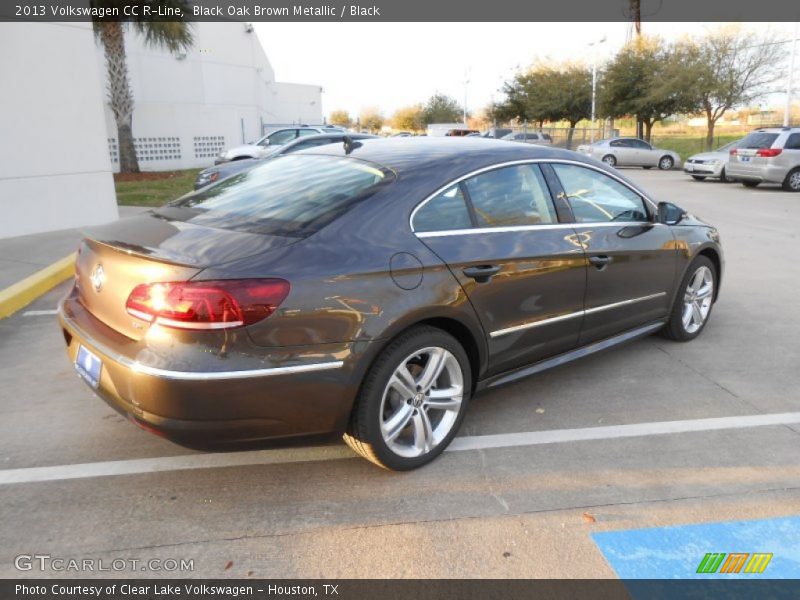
<point>98,277</point>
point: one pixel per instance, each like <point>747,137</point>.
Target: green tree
<point>549,93</point>
<point>371,119</point>
<point>408,118</point>
<point>341,118</point>
<point>646,79</point>
<point>728,68</point>
<point>173,35</point>
<point>441,108</point>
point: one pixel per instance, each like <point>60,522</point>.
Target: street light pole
<point>594,45</point>
<point>787,111</point>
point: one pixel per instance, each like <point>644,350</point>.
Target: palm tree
<point>173,35</point>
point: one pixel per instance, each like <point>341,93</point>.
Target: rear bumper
<point>766,173</point>
<point>295,391</point>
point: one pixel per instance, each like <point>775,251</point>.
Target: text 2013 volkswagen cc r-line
<point>372,287</point>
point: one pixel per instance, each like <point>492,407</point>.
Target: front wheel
<point>792,181</point>
<point>723,177</point>
<point>695,300</point>
<point>666,163</point>
<point>412,401</point>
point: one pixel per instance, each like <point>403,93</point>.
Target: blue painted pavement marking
<point>676,552</point>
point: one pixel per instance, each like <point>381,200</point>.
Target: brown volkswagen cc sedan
<point>372,287</point>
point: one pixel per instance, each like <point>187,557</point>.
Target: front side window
<point>445,211</point>
<point>511,196</point>
<point>642,145</point>
<point>597,198</point>
<point>306,132</point>
<point>292,195</point>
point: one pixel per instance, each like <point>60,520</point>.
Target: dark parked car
<point>223,170</point>
<point>372,288</point>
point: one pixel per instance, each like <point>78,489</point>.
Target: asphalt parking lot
<point>501,506</point>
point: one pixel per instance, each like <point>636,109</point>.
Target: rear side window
<point>511,196</point>
<point>793,143</point>
<point>443,212</point>
<point>292,195</point>
<point>759,139</point>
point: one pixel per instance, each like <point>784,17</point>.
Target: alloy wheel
<point>666,163</point>
<point>421,402</point>
<point>697,299</point>
<point>794,181</point>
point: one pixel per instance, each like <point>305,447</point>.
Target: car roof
<point>448,154</point>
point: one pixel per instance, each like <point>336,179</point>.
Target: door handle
<point>601,261</point>
<point>481,273</point>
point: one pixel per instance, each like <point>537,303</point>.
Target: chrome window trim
<point>446,232</point>
<point>137,367</point>
<point>526,161</point>
<point>572,315</point>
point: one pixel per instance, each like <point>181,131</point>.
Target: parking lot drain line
<point>323,453</point>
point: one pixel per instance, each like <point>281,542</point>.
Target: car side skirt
<point>567,357</point>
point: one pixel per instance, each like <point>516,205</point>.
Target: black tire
<point>364,431</point>
<point>698,177</point>
<point>750,184</point>
<point>674,328</point>
<point>665,163</point>
<point>610,160</point>
<point>723,177</point>
<point>792,181</point>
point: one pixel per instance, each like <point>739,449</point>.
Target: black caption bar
<point>403,10</point>
<point>417,589</point>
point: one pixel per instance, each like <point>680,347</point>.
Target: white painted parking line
<point>322,453</point>
<point>39,313</point>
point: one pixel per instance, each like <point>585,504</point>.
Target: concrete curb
<point>26,291</point>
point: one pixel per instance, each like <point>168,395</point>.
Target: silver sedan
<point>631,152</point>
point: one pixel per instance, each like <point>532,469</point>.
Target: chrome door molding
<point>572,315</point>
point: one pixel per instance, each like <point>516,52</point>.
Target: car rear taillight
<point>768,152</point>
<point>733,152</point>
<point>219,304</point>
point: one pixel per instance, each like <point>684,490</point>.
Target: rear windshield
<point>758,139</point>
<point>294,195</point>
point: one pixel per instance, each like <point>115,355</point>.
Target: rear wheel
<point>665,163</point>
<point>412,401</point>
<point>698,177</point>
<point>750,184</point>
<point>693,305</point>
<point>611,161</point>
<point>792,181</point>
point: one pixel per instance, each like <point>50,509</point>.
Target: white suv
<point>768,156</point>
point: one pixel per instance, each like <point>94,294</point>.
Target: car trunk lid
<point>114,259</point>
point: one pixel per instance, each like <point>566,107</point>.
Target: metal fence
<point>561,135</point>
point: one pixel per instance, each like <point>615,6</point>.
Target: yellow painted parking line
<point>26,291</point>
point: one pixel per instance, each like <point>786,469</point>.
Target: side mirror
<point>670,214</point>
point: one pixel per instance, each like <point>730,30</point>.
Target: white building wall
<point>54,164</point>
<point>216,95</point>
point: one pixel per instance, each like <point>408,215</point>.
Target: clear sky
<point>389,65</point>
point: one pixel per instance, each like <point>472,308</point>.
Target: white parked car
<point>710,164</point>
<point>631,152</point>
<point>262,147</point>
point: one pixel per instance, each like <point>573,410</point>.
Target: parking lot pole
<point>787,111</point>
